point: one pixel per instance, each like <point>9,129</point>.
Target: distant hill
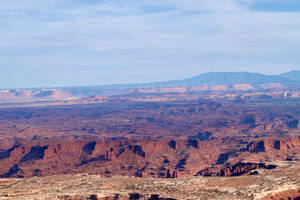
<point>229,78</point>
<point>212,78</point>
<point>208,81</point>
<point>292,75</point>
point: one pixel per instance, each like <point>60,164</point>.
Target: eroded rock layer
<point>170,158</point>
<point>154,139</point>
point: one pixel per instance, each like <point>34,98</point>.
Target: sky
<point>53,43</point>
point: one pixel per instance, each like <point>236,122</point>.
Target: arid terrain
<point>233,142</point>
<point>153,139</point>
<point>280,183</point>
<point>150,100</point>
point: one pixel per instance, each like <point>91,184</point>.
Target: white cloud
<point>144,34</point>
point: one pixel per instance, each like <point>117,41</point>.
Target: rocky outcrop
<point>141,158</point>
<point>292,123</point>
<point>164,158</point>
<point>131,196</point>
<point>237,169</point>
<point>284,195</point>
<point>36,153</point>
<point>270,144</point>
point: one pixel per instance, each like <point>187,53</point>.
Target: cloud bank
<point>90,42</point>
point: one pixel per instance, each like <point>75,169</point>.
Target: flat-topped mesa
<point>163,157</point>
<point>142,158</point>
<point>271,144</point>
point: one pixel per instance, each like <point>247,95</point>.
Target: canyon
<point>154,139</point>
<point>182,134</point>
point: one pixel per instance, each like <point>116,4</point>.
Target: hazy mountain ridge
<point>216,78</point>
<point>210,78</point>
<point>207,81</point>
<point>292,75</point>
<point>228,78</point>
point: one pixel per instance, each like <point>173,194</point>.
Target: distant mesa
<point>207,82</point>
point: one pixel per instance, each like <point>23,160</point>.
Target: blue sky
<point>52,43</point>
